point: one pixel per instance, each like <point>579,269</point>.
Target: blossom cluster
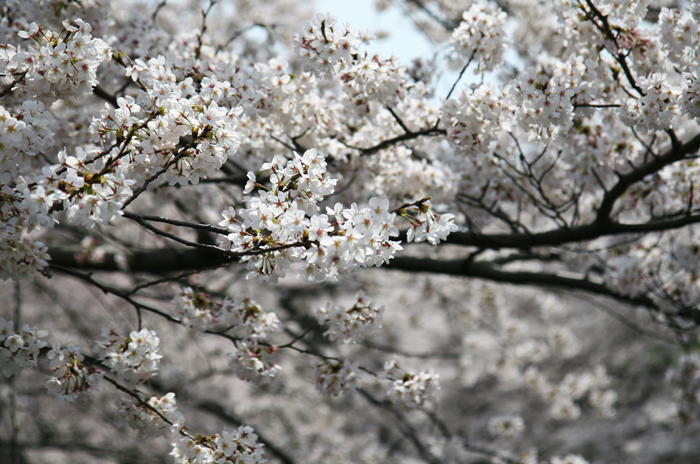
<point>88,191</point>
<point>283,219</point>
<point>247,318</point>
<point>474,120</point>
<point>524,352</point>
<point>146,418</point>
<point>410,390</point>
<point>506,426</point>
<point>244,318</point>
<point>325,45</point>
<point>195,310</point>
<point>544,98</point>
<point>134,358</point>
<point>434,179</point>
<point>334,377</point>
<point>684,378</point>
<point>680,36</point>
<point>426,224</point>
<point>481,35</point>
<point>241,314</point>
<point>71,376</point>
<point>235,447</point>
<point>566,397</point>
<point>656,109</point>
<point>374,80</point>
<point>690,98</point>
<point>24,135</point>
<point>254,362</point>
<point>90,195</point>
<point>63,66</point>
<point>19,350</point>
<point>348,325</point>
<point>20,256</point>
<point>169,127</point>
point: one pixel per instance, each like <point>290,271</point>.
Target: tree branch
<point>219,411</point>
<point>484,270</point>
<point>399,138</point>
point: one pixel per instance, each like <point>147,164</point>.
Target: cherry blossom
<point>159,154</point>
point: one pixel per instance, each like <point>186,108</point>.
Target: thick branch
<point>162,261</point>
<point>603,224</point>
<point>484,270</point>
<point>562,236</point>
<point>166,261</point>
<point>104,95</point>
<point>433,131</point>
<point>656,164</point>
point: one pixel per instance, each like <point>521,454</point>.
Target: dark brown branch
<point>399,120</point>
<point>407,430</point>
<point>163,261</point>
<point>484,270</point>
<point>628,323</point>
<point>111,290</point>
<point>104,95</point>
<point>143,222</point>
<point>11,87</point>
<point>399,138</point>
<point>160,261</point>
<point>576,234</point>
<point>461,73</point>
<point>179,260</point>
<point>603,224</point>
<point>606,30</point>
<point>677,152</point>
<point>220,412</point>
<point>154,16</point>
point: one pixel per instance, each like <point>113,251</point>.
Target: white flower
<point>194,309</point>
<point>246,318</point>
<point>134,358</point>
<point>569,459</point>
<point>19,350</point>
<point>72,377</point>
<point>506,426</point>
<point>14,342</point>
<point>253,362</point>
<point>250,185</point>
<point>145,421</point>
<point>63,65</point>
<point>287,215</point>
<point>657,108</point>
<point>335,377</point>
<point>324,46</point>
<point>348,325</point>
<point>230,447</point>
<point>481,34</point>
<point>410,390</point>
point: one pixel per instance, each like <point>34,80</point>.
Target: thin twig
<point>460,75</point>
<point>207,227</point>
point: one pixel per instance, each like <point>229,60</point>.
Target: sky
<point>404,39</point>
